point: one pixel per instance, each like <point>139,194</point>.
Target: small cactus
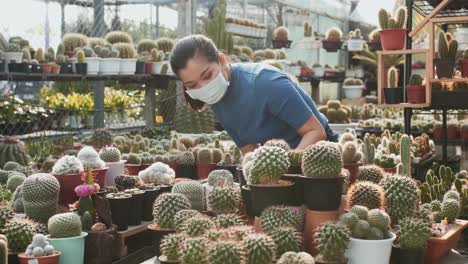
<point>281,33</point>
<point>80,56</point>
<point>415,79</point>
<point>332,240</point>
<point>412,234</point>
<point>334,33</point>
<point>367,194</point>
<point>260,249</point>
<point>393,78</point>
<point>224,252</point>
<point>170,246</point>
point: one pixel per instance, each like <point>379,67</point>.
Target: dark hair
<point>186,49</point>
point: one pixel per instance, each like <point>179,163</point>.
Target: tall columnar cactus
<point>368,150</point>
<point>194,250</point>
<point>383,18</point>
<point>296,258</point>
<point>214,28</point>
<point>260,249</point>
<point>392,77</point>
<point>367,194</point>
<point>322,160</point>
<point>286,239</point>
<point>224,252</point>
<point>412,233</point>
<point>12,149</point>
<point>194,191</point>
<point>405,153</point>
<point>401,196</point>
<point>40,196</point>
<point>448,46</point>
<point>224,200</point>
<point>332,240</point>
<point>386,20</point>
<point>401,17</point>
<point>269,165</point>
<point>307,30</point>
<point>197,225</point>
<point>370,173</point>
<point>281,216</point>
<point>170,246</point>
<point>166,206</point>
<point>19,234</point>
<point>64,225</point>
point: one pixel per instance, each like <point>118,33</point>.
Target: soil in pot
<point>140,67</point>
<point>136,208</point>
<point>120,208</point>
<point>186,171</point>
<point>67,188</point>
<point>393,39</point>
<point>416,94</point>
<point>157,234</point>
<point>322,194</point>
<point>353,170</point>
<point>332,45</point>
<point>148,200</point>
<point>393,95</point>
<point>264,196</point>
<point>52,259</point>
<point>203,170</point>
<point>406,256</point>
<point>163,260</point>
<point>81,68</point>
<point>444,68</point>
<point>464,67</point>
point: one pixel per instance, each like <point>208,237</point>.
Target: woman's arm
<point>247,148</point>
<point>312,132</point>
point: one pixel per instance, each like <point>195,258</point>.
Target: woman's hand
<point>312,132</point>
<point>248,148</point>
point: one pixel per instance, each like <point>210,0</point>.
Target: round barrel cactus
<point>166,206</point>
<point>269,165</point>
<point>322,160</point>
<point>40,196</point>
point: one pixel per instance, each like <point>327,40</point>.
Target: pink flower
<point>84,190</point>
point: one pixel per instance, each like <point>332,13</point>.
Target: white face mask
<point>211,93</point>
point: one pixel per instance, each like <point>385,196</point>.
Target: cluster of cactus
<point>214,28</point>
<point>106,51</point>
<point>71,41</point>
<point>6,214</point>
<point>332,241</point>
<point>281,216</point>
<point>220,178</point>
<point>19,234</point>
<point>165,44</point>
<point>368,150</point>
<point>197,225</point>
<point>110,154</point>
<point>189,121</point>
<point>367,224</point>
<point>224,200</point>
<point>393,77</point>
<point>401,196</point>
<point>335,112</point>
<point>351,153</point>
<point>307,30</point>
<point>157,173</point>
<point>146,45</point>
<point>356,34</point>
<point>170,246</point>
<point>281,143</point>
<point>223,252</point>
<point>90,158</point>
<point>448,46</point>
<point>64,225</point>
<point>386,161</point>
<point>194,191</point>
<point>281,33</point>
<point>182,215</point>
<point>166,206</point>
<point>322,160</point>
<point>228,220</point>
<point>126,50</point>
<point>157,55</point>
<point>118,37</point>
<point>353,82</point>
<point>367,194</point>
<point>40,196</point>
<point>412,233</point>
<point>15,179</point>
<point>436,186</point>
<point>370,173</point>
<point>39,247</point>
<point>286,239</point>
<point>67,165</point>
<point>386,20</point>
<point>12,149</point>
<point>334,34</point>
<point>269,164</point>
<point>194,250</point>
<point>93,42</point>
<point>132,158</point>
<point>146,158</point>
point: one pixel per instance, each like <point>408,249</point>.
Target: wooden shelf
<point>458,19</point>
<point>133,230</point>
<point>449,80</point>
<point>402,52</point>
<point>404,105</point>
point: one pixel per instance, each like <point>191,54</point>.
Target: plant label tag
<point>33,261</point>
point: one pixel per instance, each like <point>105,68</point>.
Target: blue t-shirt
<point>262,103</point>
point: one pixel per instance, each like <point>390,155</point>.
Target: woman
<point>253,102</point>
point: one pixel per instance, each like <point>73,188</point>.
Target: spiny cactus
<point>392,78</point>
<point>170,246</point>
<point>133,159</point>
<point>224,200</point>
<point>12,149</point>
<point>322,160</point>
<point>165,44</point>
<point>118,37</point>
<point>102,137</point>
<point>415,79</point>
<point>182,215</point>
<point>379,218</point>
<point>194,250</point>
<point>64,225</point>
<point>450,209</point>
<point>281,33</point>
<point>405,153</point>
<point>367,194</point>
<point>197,225</point>
<point>6,214</point>
<point>40,196</point>
<point>260,249</point>
<point>166,206</point>
<point>370,173</point>
<point>278,143</point>
<point>220,178</point>
<point>146,45</point>
<point>90,158</point>
<point>448,46</point>
<point>401,196</point>
<point>334,33</point>
<point>286,239</point>
<point>307,30</point>
<point>228,220</point>
<point>194,191</point>
<point>19,234</point>
<point>332,240</point>
<point>205,156</point>
<point>225,252</point>
<point>350,153</point>
<point>296,258</point>
<point>110,154</point>
<point>412,233</point>
<point>269,165</point>
<point>186,158</point>
<point>281,216</point>
<point>386,21</point>
<point>217,155</point>
<point>15,179</point>
<point>71,41</point>
<point>295,157</point>
<point>126,50</point>
<point>360,211</point>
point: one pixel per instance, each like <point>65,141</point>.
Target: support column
<point>62,25</point>
<point>99,28</point>
<point>150,105</point>
<point>158,30</point>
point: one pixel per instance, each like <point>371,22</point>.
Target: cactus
<point>370,173</point>
<point>80,56</point>
<point>194,191</point>
<point>401,17</point>
<point>146,158</point>
<point>332,240</point>
<point>367,194</point>
<point>204,156</point>
<point>90,158</point>
<point>281,216</point>
<point>269,165</point>
<point>86,221</point>
<point>26,55</point>
<point>14,180</point>
<point>360,211</point>
<point>64,225</point>
<point>39,55</point>
<point>170,246</point>
<point>3,249</point>
<point>281,33</point>
<point>19,234</point>
<point>165,44</point>
<point>307,30</point>
<point>110,154</point>
<point>260,249</point>
<point>227,160</point>
<point>186,158</point>
<point>322,160</point>
<point>71,41</point>
<point>134,159</point>
<point>40,196</point>
<point>228,220</point>
<point>157,173</point>
<point>156,56</point>
<point>379,218</point>
<point>6,214</point>
<point>278,143</point>
<point>405,153</point>
<point>197,226</point>
<point>286,239</point>
<point>126,50</point>
<point>224,200</point>
<point>118,37</point>
<point>12,149</point>
<point>415,79</point>
<point>349,219</point>
<point>295,157</point>
<point>393,78</point>
<point>447,46</point>
<point>412,234</point>
<point>146,45</point>
<point>401,196</point>
<point>101,138</point>
<point>334,33</point>
<point>166,206</point>
<point>450,209</point>
<point>194,250</point>
<point>351,154</point>
<point>225,252</point>
<point>217,155</point>
<point>11,166</point>
<point>181,216</point>
<point>383,18</point>
<point>296,258</point>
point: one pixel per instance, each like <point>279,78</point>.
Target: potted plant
<point>230,161</point>
<point>412,235</point>
<point>452,130</point>
<point>66,236</point>
<point>136,206</point>
<point>393,29</point>
<point>170,251</point>
<point>108,61</point>
<point>40,57</point>
<point>80,65</point>
<point>355,41</point>
<point>464,64</point>
<point>157,61</point>
<point>132,165</point>
<point>351,159</point>
<point>416,92</point>
<point>186,165</point>
<point>374,40</point>
<point>205,163</point>
<point>332,41</point>
<point>281,38</point>
<point>39,251</point>
<point>2,62</point>
<point>113,159</point>
<point>332,240</point>
<point>127,54</point>
<point>269,164</point>
<point>13,52</point>
<point>401,197</point>
<point>464,131</point>
<point>120,205</point>
<point>445,63</point>
<point>318,70</point>
<point>90,159</point>
<point>151,193</point>
<point>353,88</point>
<point>24,66</point>
<point>72,41</point>
<point>142,58</point>
<point>157,174</point>
<point>68,171</point>
<point>66,67</point>
<point>386,162</point>
<point>393,93</point>
<point>146,160</point>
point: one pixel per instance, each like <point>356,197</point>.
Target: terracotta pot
<point>390,170</point>
<point>46,68</point>
<point>149,68</point>
<point>464,134</point>
<point>464,67</point>
<point>452,133</point>
<point>100,176</point>
<point>68,183</point>
<point>157,234</point>
<point>314,219</point>
<point>264,196</point>
<point>439,246</point>
<point>132,169</point>
<point>332,44</point>
<point>52,259</point>
<point>353,170</point>
<point>55,69</point>
<point>173,165</point>
<point>416,94</point>
<point>144,166</point>
<point>444,68</point>
<point>203,170</point>
<point>393,39</point>
<point>437,133</point>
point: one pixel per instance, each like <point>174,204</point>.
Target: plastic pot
<point>393,39</point>
<point>416,94</point>
<point>81,68</point>
<point>157,234</point>
<point>439,246</point>
<point>36,68</point>
<point>246,194</point>
<point>374,45</point>
<point>163,260</point>
<point>375,251</point>
<point>406,256</point>
<point>148,200</point>
<point>115,169</point>
<point>281,43</point>
<point>68,183</point>
<point>71,248</point>
<point>264,196</point>
<point>120,208</point>
<point>203,170</point>
<point>298,188</point>
<point>186,171</point>
<point>55,69</point>
<point>157,66</point>
<point>128,66</point>
<point>464,67</point>
<point>353,91</point>
<point>99,176</point>
<point>136,208</point>
<point>452,133</point>
<point>332,45</point>
<point>52,259</point>
<point>93,65</point>
<point>240,176</point>
<point>353,169</point>
<point>66,68</point>
<point>295,170</point>
<point>132,169</point>
<point>140,67</point>
<point>46,68</point>
<point>108,66</point>
<point>322,194</point>
<point>444,67</point>
<point>149,68</point>
<point>393,95</point>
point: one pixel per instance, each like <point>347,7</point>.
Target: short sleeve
<point>283,99</point>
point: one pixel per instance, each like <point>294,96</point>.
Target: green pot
<point>72,248</point>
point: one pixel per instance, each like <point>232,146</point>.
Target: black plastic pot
<point>164,188</point>
<point>295,170</point>
<point>20,67</point>
<point>66,68</point>
<point>404,256</point>
<point>246,194</point>
<point>332,45</point>
<point>421,168</point>
<point>444,67</point>
<point>136,209</point>
<point>264,196</point>
<point>13,259</point>
<point>298,187</point>
<point>2,65</point>
<point>36,68</point>
<point>232,169</point>
<point>157,234</point>
<point>81,68</point>
<point>120,208</point>
<point>374,45</point>
<point>140,67</point>
<point>186,171</point>
<point>322,194</point>
<point>150,196</point>
<point>240,176</point>
<point>393,95</point>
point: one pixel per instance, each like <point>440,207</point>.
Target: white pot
<point>128,66</point>
<point>93,65</point>
<point>369,251</point>
<point>115,169</point>
<point>16,56</point>
<point>353,91</point>
<point>157,67</point>
<point>318,71</point>
<point>169,68</point>
<point>356,44</point>
<point>109,66</point>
